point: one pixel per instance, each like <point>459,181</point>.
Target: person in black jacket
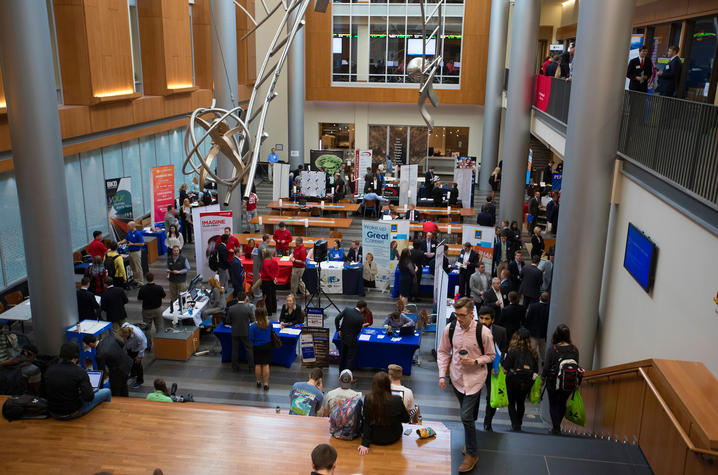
<point>113,361</point>
<point>87,306</point>
<point>537,244</point>
<point>468,261</point>
<point>236,273</point>
<point>113,302</point>
<point>429,182</point>
<point>412,214</point>
<point>417,258</point>
<point>291,314</point>
<point>561,348</point>
<point>437,194</point>
<point>552,212</point>
<point>512,316</point>
<point>531,280</point>
<point>223,258</point>
<point>639,71</point>
<point>383,414</point>
<point>241,316</point>
<point>484,218</point>
<point>669,78</point>
<point>486,317</point>
<point>454,195</point>
<point>552,67</point>
<point>515,267</point>
<point>533,211</point>
<point>537,323</point>
<point>67,386</point>
<point>521,366</point>
<point>348,325</point>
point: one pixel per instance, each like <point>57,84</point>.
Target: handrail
<point>589,378</point>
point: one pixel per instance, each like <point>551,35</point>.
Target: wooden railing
<point>669,408</point>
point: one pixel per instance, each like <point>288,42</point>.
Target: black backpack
<point>26,406</point>
<point>479,328</point>
<point>520,373</point>
<point>213,261</point>
<point>110,265</point>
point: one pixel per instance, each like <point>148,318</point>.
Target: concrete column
<point>495,71</point>
<point>226,84</point>
<point>591,143</point>
<point>363,51</point>
<point>26,61</point>
<point>522,69</point>
<point>295,96</point>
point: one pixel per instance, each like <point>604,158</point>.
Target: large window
<point>412,144</point>
<point>380,41</point>
<point>336,136</point>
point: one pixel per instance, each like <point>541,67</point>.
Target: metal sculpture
<point>231,130</point>
<point>424,71</point>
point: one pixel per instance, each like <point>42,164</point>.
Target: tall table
<point>76,333</point>
<point>284,355</point>
<point>283,277</point>
<point>378,350</point>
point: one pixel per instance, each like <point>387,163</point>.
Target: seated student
<point>161,393</point>
<point>454,195</point>
<point>396,320</point>
<point>355,253</point>
<point>338,395</point>
<point>67,386</point>
<point>336,253</point>
<point>306,398</point>
<point>397,389</point>
<point>291,313</point>
<point>383,414</point>
<point>437,194</point>
<point>324,459</point>
<point>9,347</point>
<point>371,196</point>
<point>20,375</point>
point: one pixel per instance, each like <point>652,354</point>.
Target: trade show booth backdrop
<point>377,237</point>
<point>362,161</point>
<point>482,238</point>
<point>209,223</point>
<point>330,160</point>
<point>163,191</point>
<point>118,192</point>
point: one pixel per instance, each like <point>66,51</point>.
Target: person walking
<point>151,296</point>
<point>465,350</point>
<point>174,238</point>
<point>561,349</point>
<point>348,325</point>
<point>112,302</point>
<point>486,317</point>
<point>521,366</point>
<point>241,316</point>
<point>260,333</point>
<point>135,345</point>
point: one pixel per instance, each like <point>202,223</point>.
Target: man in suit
<point>502,253</point>
<point>552,213</point>
<point>240,316</point>
<point>87,306</point>
<point>355,253</point>
<point>112,302</point>
<point>429,181</point>
<point>669,78</point>
<point>454,195</point>
<point>534,204</point>
<point>479,283</point>
<point>491,208</point>
<point>515,268</point>
<point>546,268</point>
<point>493,297</point>
<point>531,280</point>
<point>428,247</point>
<point>236,273</point>
<point>537,324</point>
<point>468,261</point>
<point>486,317</point>
<point>348,325</point>
<point>113,361</point>
<point>412,214</point>
<point>512,316</point>
<point>505,284</point>
<point>417,258</point>
<point>639,71</point>
<point>368,180</point>
<point>484,218</point>
<point>437,194</point>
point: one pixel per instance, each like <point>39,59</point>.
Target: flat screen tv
<point>415,47</point>
<point>640,257</point>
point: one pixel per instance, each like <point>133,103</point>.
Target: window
<point>416,143</point>
<point>702,52</point>
<point>135,40</point>
<point>376,42</point>
<point>336,136</point>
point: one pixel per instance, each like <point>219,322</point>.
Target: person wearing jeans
<point>460,357</point>
<point>101,395</point>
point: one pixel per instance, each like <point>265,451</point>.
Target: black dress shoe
<point>488,428</point>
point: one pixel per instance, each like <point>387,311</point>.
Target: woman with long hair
<point>561,349</point>
<point>291,313</point>
<point>174,238</point>
<point>260,332</point>
<point>393,251</point>
<point>268,275</point>
<point>515,234</point>
<point>336,253</point>
<point>521,365</point>
<point>537,244</point>
<point>495,181</point>
<point>98,275</point>
<point>248,248</point>
<point>217,300</point>
<point>186,220</point>
<point>161,392</point>
<point>407,275</point>
<point>383,414</point>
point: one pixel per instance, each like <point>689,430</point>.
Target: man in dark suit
<point>236,273</point>
<point>552,213</point>
<point>113,361</point>
<point>639,71</point>
<point>368,180</point>
<point>531,280</point>
<point>355,253</point>
<point>428,247</point>
<point>412,214</point>
<point>502,253</point>
<point>437,194</point>
<point>429,182</point>
<point>491,208</point>
<point>454,195</point>
<point>87,306</point>
<point>505,285</point>
<point>493,297</point>
<point>512,315</point>
<point>537,324</point>
<point>417,258</point>
<point>484,218</point>
<point>669,78</point>
<point>534,204</point>
<point>240,316</point>
<point>112,302</point>
<point>486,317</point>
<point>515,267</point>
<point>468,261</point>
<point>348,325</point>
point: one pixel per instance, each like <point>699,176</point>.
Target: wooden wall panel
<point>74,121</point>
<point>111,115</point>
<point>607,400</point>
<point>660,442</point>
<point>246,49</point>
<point>201,98</point>
<point>631,394</point>
<point>73,51</point>
<point>473,71</point>
<point>177,43</point>
<point>567,31</point>
<point>149,13</point>
<point>177,104</point>
<point>2,94</point>
<point>202,37</point>
<point>148,108</point>
<point>4,133</point>
<point>661,11</point>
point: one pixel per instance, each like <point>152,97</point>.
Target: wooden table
<point>342,208</point>
<point>299,224</point>
<point>308,241</point>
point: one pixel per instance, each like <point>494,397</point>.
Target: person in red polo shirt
<point>299,262</point>
<point>232,242</point>
<point>430,227</point>
<point>97,247</point>
<point>282,237</point>
<point>268,276</point>
<point>250,210</point>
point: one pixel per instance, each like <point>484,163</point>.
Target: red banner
<point>163,191</point>
<point>543,91</point>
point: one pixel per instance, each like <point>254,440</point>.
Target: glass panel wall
<point>336,136</point>
<point>416,143</point>
<point>702,59</point>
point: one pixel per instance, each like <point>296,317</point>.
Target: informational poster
<point>208,227</point>
<point>408,184</point>
<point>163,191</point>
<point>118,193</point>
<point>314,344</point>
<point>482,238</point>
<point>314,184</point>
<point>378,237</point>
<point>315,317</point>
<point>361,163</point>
<point>556,180</point>
<point>528,166</point>
<point>329,160</point>
<point>331,277</point>
<point>464,179</point>
<point>280,185</point>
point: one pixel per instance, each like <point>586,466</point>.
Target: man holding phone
<point>465,351</point>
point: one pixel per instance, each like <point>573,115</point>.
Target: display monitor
<point>337,45</point>
<point>640,257</point>
<point>415,47</point>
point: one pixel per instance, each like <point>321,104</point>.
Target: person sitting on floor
<point>161,393</point>
<point>306,398</point>
<point>337,396</point>
<point>383,414</point>
<point>397,389</point>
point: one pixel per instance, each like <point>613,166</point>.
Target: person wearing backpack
<point>383,415</point>
<point>561,374</point>
<point>521,366</point>
<point>466,348</point>
<point>337,396</point>
<point>115,266</point>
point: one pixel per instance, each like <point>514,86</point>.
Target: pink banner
<point>163,191</point>
<point>543,91</point>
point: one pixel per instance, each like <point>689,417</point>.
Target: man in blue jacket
<point>669,78</point>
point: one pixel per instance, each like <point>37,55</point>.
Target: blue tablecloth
<point>161,238</point>
<point>284,355</point>
<point>352,280</point>
<point>379,353</point>
<point>427,282</point>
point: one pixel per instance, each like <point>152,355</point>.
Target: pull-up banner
<point>118,193</point>
<point>163,194</point>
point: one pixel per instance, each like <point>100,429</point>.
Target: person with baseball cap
<point>338,395</point>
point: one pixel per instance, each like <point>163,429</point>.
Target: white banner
<point>408,184</point>
<point>280,185</point>
<point>482,238</point>
<point>378,237</point>
<point>441,290</point>
<point>362,162</point>
<point>332,277</point>
<point>463,179</point>
<point>201,242</point>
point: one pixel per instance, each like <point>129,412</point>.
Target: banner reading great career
<point>118,192</point>
<point>163,191</point>
<point>482,238</point>
<point>211,228</point>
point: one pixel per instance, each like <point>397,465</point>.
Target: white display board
<point>314,184</point>
<point>408,184</point>
<point>441,290</point>
<point>280,185</point>
<point>463,179</point>
<point>363,159</point>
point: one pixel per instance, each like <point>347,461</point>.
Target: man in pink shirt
<point>462,359</point>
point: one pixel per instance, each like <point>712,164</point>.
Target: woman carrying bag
<point>521,366</point>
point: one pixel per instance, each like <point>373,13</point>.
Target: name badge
<point>668,66</point>
<point>638,66</point>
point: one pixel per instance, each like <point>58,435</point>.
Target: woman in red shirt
<point>248,248</point>
<point>268,274</point>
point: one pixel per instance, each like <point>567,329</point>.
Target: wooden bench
<point>202,438</point>
<point>342,208</point>
<point>298,223</point>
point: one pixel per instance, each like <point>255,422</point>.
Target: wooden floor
<point>131,436</point>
